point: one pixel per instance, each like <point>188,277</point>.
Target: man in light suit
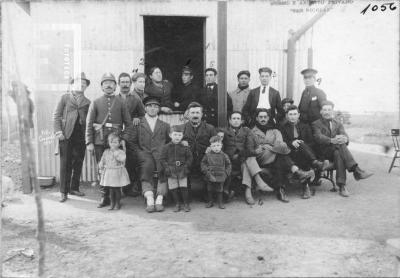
<point>265,97</point>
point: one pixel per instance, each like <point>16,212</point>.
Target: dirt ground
<point>327,235</point>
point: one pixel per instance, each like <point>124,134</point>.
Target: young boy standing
<point>217,167</point>
<point>176,160</point>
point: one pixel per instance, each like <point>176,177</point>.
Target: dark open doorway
<point>172,42</point>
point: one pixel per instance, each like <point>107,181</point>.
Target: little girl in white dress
<point>112,170</point>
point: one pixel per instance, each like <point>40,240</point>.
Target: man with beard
<point>147,140</point>
<point>239,95</point>
<point>69,126</point>
<point>197,134</point>
<point>332,141</point>
<point>272,153</point>
<point>238,144</point>
<point>186,92</point>
<point>136,111</point>
<point>298,136</point>
<point>106,114</point>
<point>311,98</point>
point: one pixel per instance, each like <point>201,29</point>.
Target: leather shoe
<point>159,208</point>
<point>282,195</point>
<point>343,191</point>
<point>77,193</point>
<point>63,198</point>
<point>306,192</point>
<point>186,207</point>
<point>361,174</point>
<point>150,209</point>
<point>305,175</point>
<point>249,197</point>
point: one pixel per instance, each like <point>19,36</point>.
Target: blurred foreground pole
<point>23,118</point>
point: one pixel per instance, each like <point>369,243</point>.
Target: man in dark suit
<point>69,127</point>
<point>263,96</point>
<point>332,141</point>
<point>136,111</point>
<point>186,92</point>
<point>298,137</point>
<point>311,98</point>
<point>106,114</point>
<point>209,98</point>
<point>147,140</point>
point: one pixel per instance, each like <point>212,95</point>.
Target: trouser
<point>72,154</point>
<point>279,169</point>
<point>98,151</point>
<point>148,165</point>
<point>131,163</point>
<point>249,169</point>
<point>303,156</point>
<point>343,160</point>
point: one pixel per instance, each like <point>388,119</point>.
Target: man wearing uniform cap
<point>69,126</point>
<point>185,92</point>
<point>311,98</point>
<point>263,96</point>
<point>147,140</point>
<point>240,94</point>
<point>107,114</point>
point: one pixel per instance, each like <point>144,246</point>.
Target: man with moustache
<point>106,114</point>
<point>265,97</point>
<point>186,92</point>
<point>240,94</point>
<point>311,98</point>
<point>136,111</point>
<point>69,126</point>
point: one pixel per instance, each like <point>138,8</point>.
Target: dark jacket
<point>134,105</point>
<point>303,130</point>
<point>176,160</point>
<point>216,166</point>
<point>116,112</point>
<point>250,107</point>
<point>310,104</point>
<point>67,112</point>
<point>163,93</point>
<point>322,135</point>
<point>200,140</point>
<point>185,94</point>
<point>240,142</point>
<point>209,100</point>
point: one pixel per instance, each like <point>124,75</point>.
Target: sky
<point>357,57</point>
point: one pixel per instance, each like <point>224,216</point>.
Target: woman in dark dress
<point>157,87</point>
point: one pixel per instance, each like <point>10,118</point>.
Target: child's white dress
<point>114,173</point>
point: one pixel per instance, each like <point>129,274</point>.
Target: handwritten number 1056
<point>383,7</point>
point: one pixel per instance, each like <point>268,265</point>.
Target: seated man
<point>272,152</point>
<point>238,141</point>
<point>332,141</point>
<point>298,137</point>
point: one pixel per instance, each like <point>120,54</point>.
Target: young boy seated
<point>216,167</point>
<point>176,160</point>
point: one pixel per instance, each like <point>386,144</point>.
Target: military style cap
<point>108,76</point>
<point>151,100</point>
<point>309,72</point>
<point>287,100</point>
<point>82,76</point>
<point>187,69</point>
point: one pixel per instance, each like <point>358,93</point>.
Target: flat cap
<point>246,72</point>
<point>151,100</point>
<point>187,69</point>
<point>309,71</point>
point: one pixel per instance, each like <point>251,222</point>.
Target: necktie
<point>263,90</point>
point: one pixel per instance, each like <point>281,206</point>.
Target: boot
<point>361,174</point>
<point>306,192</point>
<point>220,201</point>
<point>248,196</point>
<point>185,197</point>
<point>64,197</point>
<point>117,198</point>
<point>282,195</point>
<point>210,199</point>
<point>261,185</point>
<point>343,191</point>
<point>175,197</point>
<point>112,198</point>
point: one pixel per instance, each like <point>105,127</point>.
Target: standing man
<point>209,98</point>
<point>139,82</point>
<point>136,111</point>
<point>147,140</point>
<point>107,114</point>
<point>332,141</point>
<point>186,92</point>
<point>311,99</point>
<point>239,95</point>
<point>69,126</point>
<point>264,97</point>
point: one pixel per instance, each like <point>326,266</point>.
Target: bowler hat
<point>82,76</point>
